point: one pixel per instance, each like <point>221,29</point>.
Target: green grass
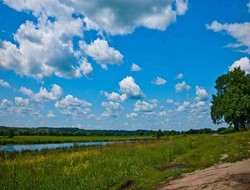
<point>61,139</point>
<point>139,165</point>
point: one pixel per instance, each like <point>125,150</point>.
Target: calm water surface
<point>19,148</point>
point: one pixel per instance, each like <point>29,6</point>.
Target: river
<point>35,147</point>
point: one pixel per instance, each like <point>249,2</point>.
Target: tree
<point>232,100</point>
<point>10,132</point>
<point>159,134</point>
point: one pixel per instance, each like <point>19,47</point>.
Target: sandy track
<point>227,176</point>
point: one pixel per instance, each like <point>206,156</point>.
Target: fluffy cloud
<point>70,101</point>
<point>43,95</point>
<point>51,114</point>
<point>179,76</point>
<point>4,84</point>
<point>50,7</point>
<point>135,68</point>
<point>170,101</point>
<point>142,106</point>
<point>112,109</point>
<point>132,116</point>
<point>86,67</point>
<point>159,81</point>
<point>130,88</point>
<point>198,104</point>
<point>181,6</point>
<point>183,107</point>
<point>198,110</point>
<point>100,51</point>
<point>23,106</point>
<point>201,94</point>
<point>163,113</point>
<point>5,105</point>
<point>45,47</point>
<point>123,16</point>
<point>22,102</point>
<point>72,106</point>
<point>248,5</point>
<point>243,63</point>
<point>239,31</point>
<point>181,86</point>
<point>113,96</point>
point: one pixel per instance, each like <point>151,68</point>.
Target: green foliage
<point>139,165</point>
<point>52,131</point>
<point>10,133</point>
<point>232,101</point>
<point>159,134</point>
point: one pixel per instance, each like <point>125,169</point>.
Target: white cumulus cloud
<point>102,53</point>
<point>143,106</point>
<point>163,113</point>
<point>4,84</point>
<point>73,106</point>
<point>132,115</point>
<point>239,31</point>
<point>45,47</point>
<point>182,86</point>
<point>51,114</point>
<point>159,81</point>
<point>183,107</point>
<point>113,96</point>
<point>43,95</point>
<point>5,106</point>
<point>122,17</point>
<point>181,6</point>
<point>170,101</point>
<point>243,63</point>
<point>130,88</point>
<point>112,109</point>
<point>23,106</point>
<point>201,94</point>
<point>86,67</point>
<point>179,76</point>
<point>135,68</point>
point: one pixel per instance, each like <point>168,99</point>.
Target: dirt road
<point>227,176</point>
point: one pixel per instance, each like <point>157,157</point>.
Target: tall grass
<point>62,139</point>
<point>139,165</point>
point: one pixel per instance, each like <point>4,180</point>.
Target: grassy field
<point>61,139</point>
<point>139,165</point>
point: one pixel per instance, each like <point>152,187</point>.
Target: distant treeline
<point>49,131</point>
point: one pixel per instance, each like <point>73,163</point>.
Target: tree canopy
<point>231,104</point>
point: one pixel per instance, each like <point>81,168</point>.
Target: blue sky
<point>117,64</point>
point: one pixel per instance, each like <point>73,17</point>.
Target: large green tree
<point>10,132</point>
<point>231,104</point>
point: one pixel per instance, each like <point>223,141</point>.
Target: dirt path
<point>227,176</point>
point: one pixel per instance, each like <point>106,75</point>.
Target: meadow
<point>62,139</point>
<point>139,165</point>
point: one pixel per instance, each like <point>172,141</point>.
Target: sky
<point>122,65</point>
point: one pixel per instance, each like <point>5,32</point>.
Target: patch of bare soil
<point>227,176</point>
<point>172,167</point>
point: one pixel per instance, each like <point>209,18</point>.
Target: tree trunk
<point>243,125</point>
<point>236,126</point>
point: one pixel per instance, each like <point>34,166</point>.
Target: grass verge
<point>140,165</point>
